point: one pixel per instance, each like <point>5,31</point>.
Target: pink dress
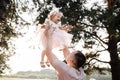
<point>58,37</point>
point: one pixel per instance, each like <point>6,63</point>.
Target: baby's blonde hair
<point>53,13</point>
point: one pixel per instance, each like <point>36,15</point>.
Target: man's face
<point>70,58</point>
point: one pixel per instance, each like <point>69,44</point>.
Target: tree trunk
<point>114,63</point>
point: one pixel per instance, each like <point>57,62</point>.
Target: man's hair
<point>80,59</point>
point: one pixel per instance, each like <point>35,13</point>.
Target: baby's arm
<point>67,28</point>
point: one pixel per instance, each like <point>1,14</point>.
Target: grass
<point>51,75</point>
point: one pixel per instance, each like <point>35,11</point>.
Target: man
<point>73,69</point>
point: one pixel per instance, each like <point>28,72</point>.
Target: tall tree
<point>114,37</point>
<point>98,26</point>
<point>6,32</point>
<point>10,22</point>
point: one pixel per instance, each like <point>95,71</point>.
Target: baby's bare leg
<point>48,63</point>
<point>42,59</point>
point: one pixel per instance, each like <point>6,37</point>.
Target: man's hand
<point>42,25</point>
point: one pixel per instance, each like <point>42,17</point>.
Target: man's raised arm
<point>66,52</point>
<point>50,55</point>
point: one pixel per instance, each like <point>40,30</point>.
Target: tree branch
<point>100,51</point>
<point>92,25</point>
<point>97,38</point>
<point>98,60</point>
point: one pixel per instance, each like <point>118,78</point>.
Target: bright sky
<point>26,57</point>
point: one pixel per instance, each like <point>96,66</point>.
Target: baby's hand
<point>69,27</point>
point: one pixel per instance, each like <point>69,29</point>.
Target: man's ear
<point>71,60</point>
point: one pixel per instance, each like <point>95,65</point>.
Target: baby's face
<point>56,18</point>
